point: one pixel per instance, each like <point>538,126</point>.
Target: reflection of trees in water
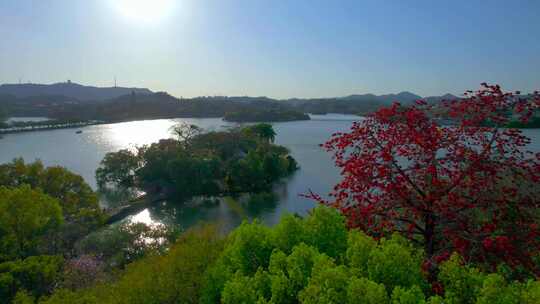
<point>228,212</point>
<point>184,213</point>
<point>262,203</point>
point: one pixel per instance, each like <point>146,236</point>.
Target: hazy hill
<point>68,89</point>
<point>75,101</point>
<point>402,97</point>
<point>434,99</point>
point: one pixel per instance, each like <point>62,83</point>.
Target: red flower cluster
<point>448,175</point>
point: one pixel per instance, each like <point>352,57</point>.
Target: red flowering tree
<point>447,176</point>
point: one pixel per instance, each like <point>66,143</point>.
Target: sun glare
<point>147,11</point>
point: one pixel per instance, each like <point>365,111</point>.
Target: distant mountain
<point>434,99</point>
<point>74,101</point>
<point>68,89</point>
<point>402,97</point>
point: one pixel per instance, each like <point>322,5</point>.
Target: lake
<point>82,153</point>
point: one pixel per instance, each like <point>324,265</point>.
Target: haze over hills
<point>68,89</point>
<point>92,93</point>
<point>74,101</point>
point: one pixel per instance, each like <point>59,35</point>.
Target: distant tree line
<point>162,105</point>
<point>271,115</point>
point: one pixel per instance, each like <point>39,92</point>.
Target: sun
<point>147,11</point>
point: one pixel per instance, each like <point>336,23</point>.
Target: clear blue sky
<point>277,48</point>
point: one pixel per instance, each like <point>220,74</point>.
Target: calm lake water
<point>82,153</point>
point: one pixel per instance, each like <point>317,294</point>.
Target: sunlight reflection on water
<point>82,154</point>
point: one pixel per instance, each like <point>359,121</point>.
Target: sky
<point>275,48</point>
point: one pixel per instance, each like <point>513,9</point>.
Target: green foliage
<point>396,263</point>
<point>118,168</point>
<point>531,292</point>
<point>43,211</point>
<point>79,204</point>
<point>175,277</point>
<point>78,201</point>
<point>359,247</point>
<point>313,260</point>
<point>291,263</point>
<point>215,279</point>
<point>290,274</point>
<point>437,300</point>
<point>328,284</point>
<point>412,295</point>
<point>244,289</point>
<point>263,131</point>
<point>466,284</point>
<point>249,248</point>
<point>66,296</point>
<point>253,115</point>
<point>495,290</point>
<point>462,283</point>
<point>193,176</point>
<point>121,244</point>
<point>34,276</point>
<point>23,297</point>
<point>196,163</point>
<point>325,230</point>
<point>288,233</point>
<point>362,290</point>
<point>257,170</point>
<point>26,217</point>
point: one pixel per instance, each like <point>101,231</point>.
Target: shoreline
<point>50,127</point>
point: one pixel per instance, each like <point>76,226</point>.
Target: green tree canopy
<point>26,217</point>
<point>79,204</point>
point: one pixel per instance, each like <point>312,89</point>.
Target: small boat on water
<point>79,132</point>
